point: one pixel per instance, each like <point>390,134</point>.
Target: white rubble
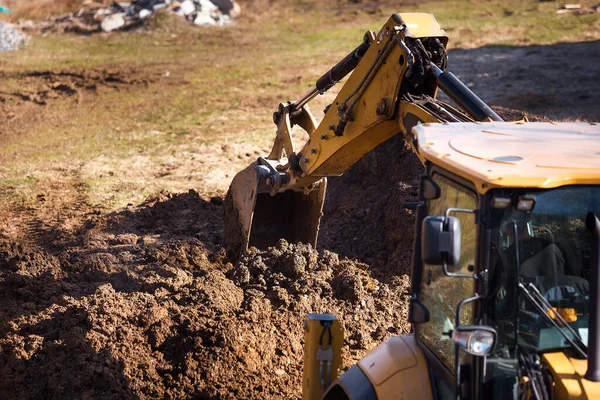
<point>145,13</point>
<point>206,19</point>
<point>124,15</point>
<point>112,22</point>
<point>10,38</point>
<point>186,8</point>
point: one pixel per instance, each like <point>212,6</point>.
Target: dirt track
<point>142,302</point>
<point>559,81</point>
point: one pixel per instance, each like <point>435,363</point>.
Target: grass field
<point>195,104</point>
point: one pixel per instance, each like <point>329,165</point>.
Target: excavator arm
<point>395,76</point>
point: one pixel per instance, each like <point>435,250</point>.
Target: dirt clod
<point>133,304</point>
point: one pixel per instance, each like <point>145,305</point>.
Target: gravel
<point>10,38</point>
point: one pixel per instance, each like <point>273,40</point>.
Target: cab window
<point>439,293</point>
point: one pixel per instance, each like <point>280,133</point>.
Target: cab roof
<point>514,154</point>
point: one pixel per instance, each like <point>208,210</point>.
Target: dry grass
<point>212,114</point>
<point>253,9</point>
<point>42,9</point>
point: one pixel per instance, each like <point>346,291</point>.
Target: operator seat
<point>544,262</point>
<point>540,257</point>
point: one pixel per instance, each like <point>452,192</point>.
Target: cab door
<point>440,294</point>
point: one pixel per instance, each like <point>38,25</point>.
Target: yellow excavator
<point>505,281</point>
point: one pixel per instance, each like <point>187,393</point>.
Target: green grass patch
<point>222,87</point>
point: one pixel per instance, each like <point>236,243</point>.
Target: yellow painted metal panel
<point>506,154</point>
<point>398,370</point>
<point>323,144</point>
<point>422,25</point>
<point>314,334</point>
<point>569,381</point>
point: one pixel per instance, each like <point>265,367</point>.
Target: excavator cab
<point>491,320</point>
<point>494,318</point>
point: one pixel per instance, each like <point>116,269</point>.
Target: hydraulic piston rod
<point>463,96</point>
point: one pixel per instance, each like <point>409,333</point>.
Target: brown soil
<point>20,102</point>
<point>142,303</point>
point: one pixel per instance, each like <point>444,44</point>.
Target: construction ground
<point>116,150</point>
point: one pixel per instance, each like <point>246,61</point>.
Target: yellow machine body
<point>286,213</point>
<point>329,155</point>
<point>398,370</point>
<point>282,195</point>
<point>569,381</point>
<point>500,154</point>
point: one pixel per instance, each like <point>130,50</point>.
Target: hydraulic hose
<point>463,96</point>
<point>343,68</point>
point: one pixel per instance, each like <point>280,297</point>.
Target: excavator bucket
<point>255,217</point>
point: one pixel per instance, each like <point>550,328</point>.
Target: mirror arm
<point>457,348</point>
<point>461,304</point>
<point>457,210</point>
<point>457,275</point>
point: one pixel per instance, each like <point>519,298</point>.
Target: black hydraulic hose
<point>518,274</point>
<point>593,371</point>
<point>463,96</point>
<point>343,68</point>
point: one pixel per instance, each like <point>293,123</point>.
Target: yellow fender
<point>396,369</point>
<point>569,381</point>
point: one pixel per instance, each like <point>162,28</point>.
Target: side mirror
<point>440,240</point>
<point>430,189</point>
<point>478,340</point>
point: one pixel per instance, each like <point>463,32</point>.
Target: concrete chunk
<point>112,22</point>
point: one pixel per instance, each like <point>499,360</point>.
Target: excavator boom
<point>394,80</point>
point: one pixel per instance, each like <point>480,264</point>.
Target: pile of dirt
<point>363,214</point>
<point>143,303</point>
